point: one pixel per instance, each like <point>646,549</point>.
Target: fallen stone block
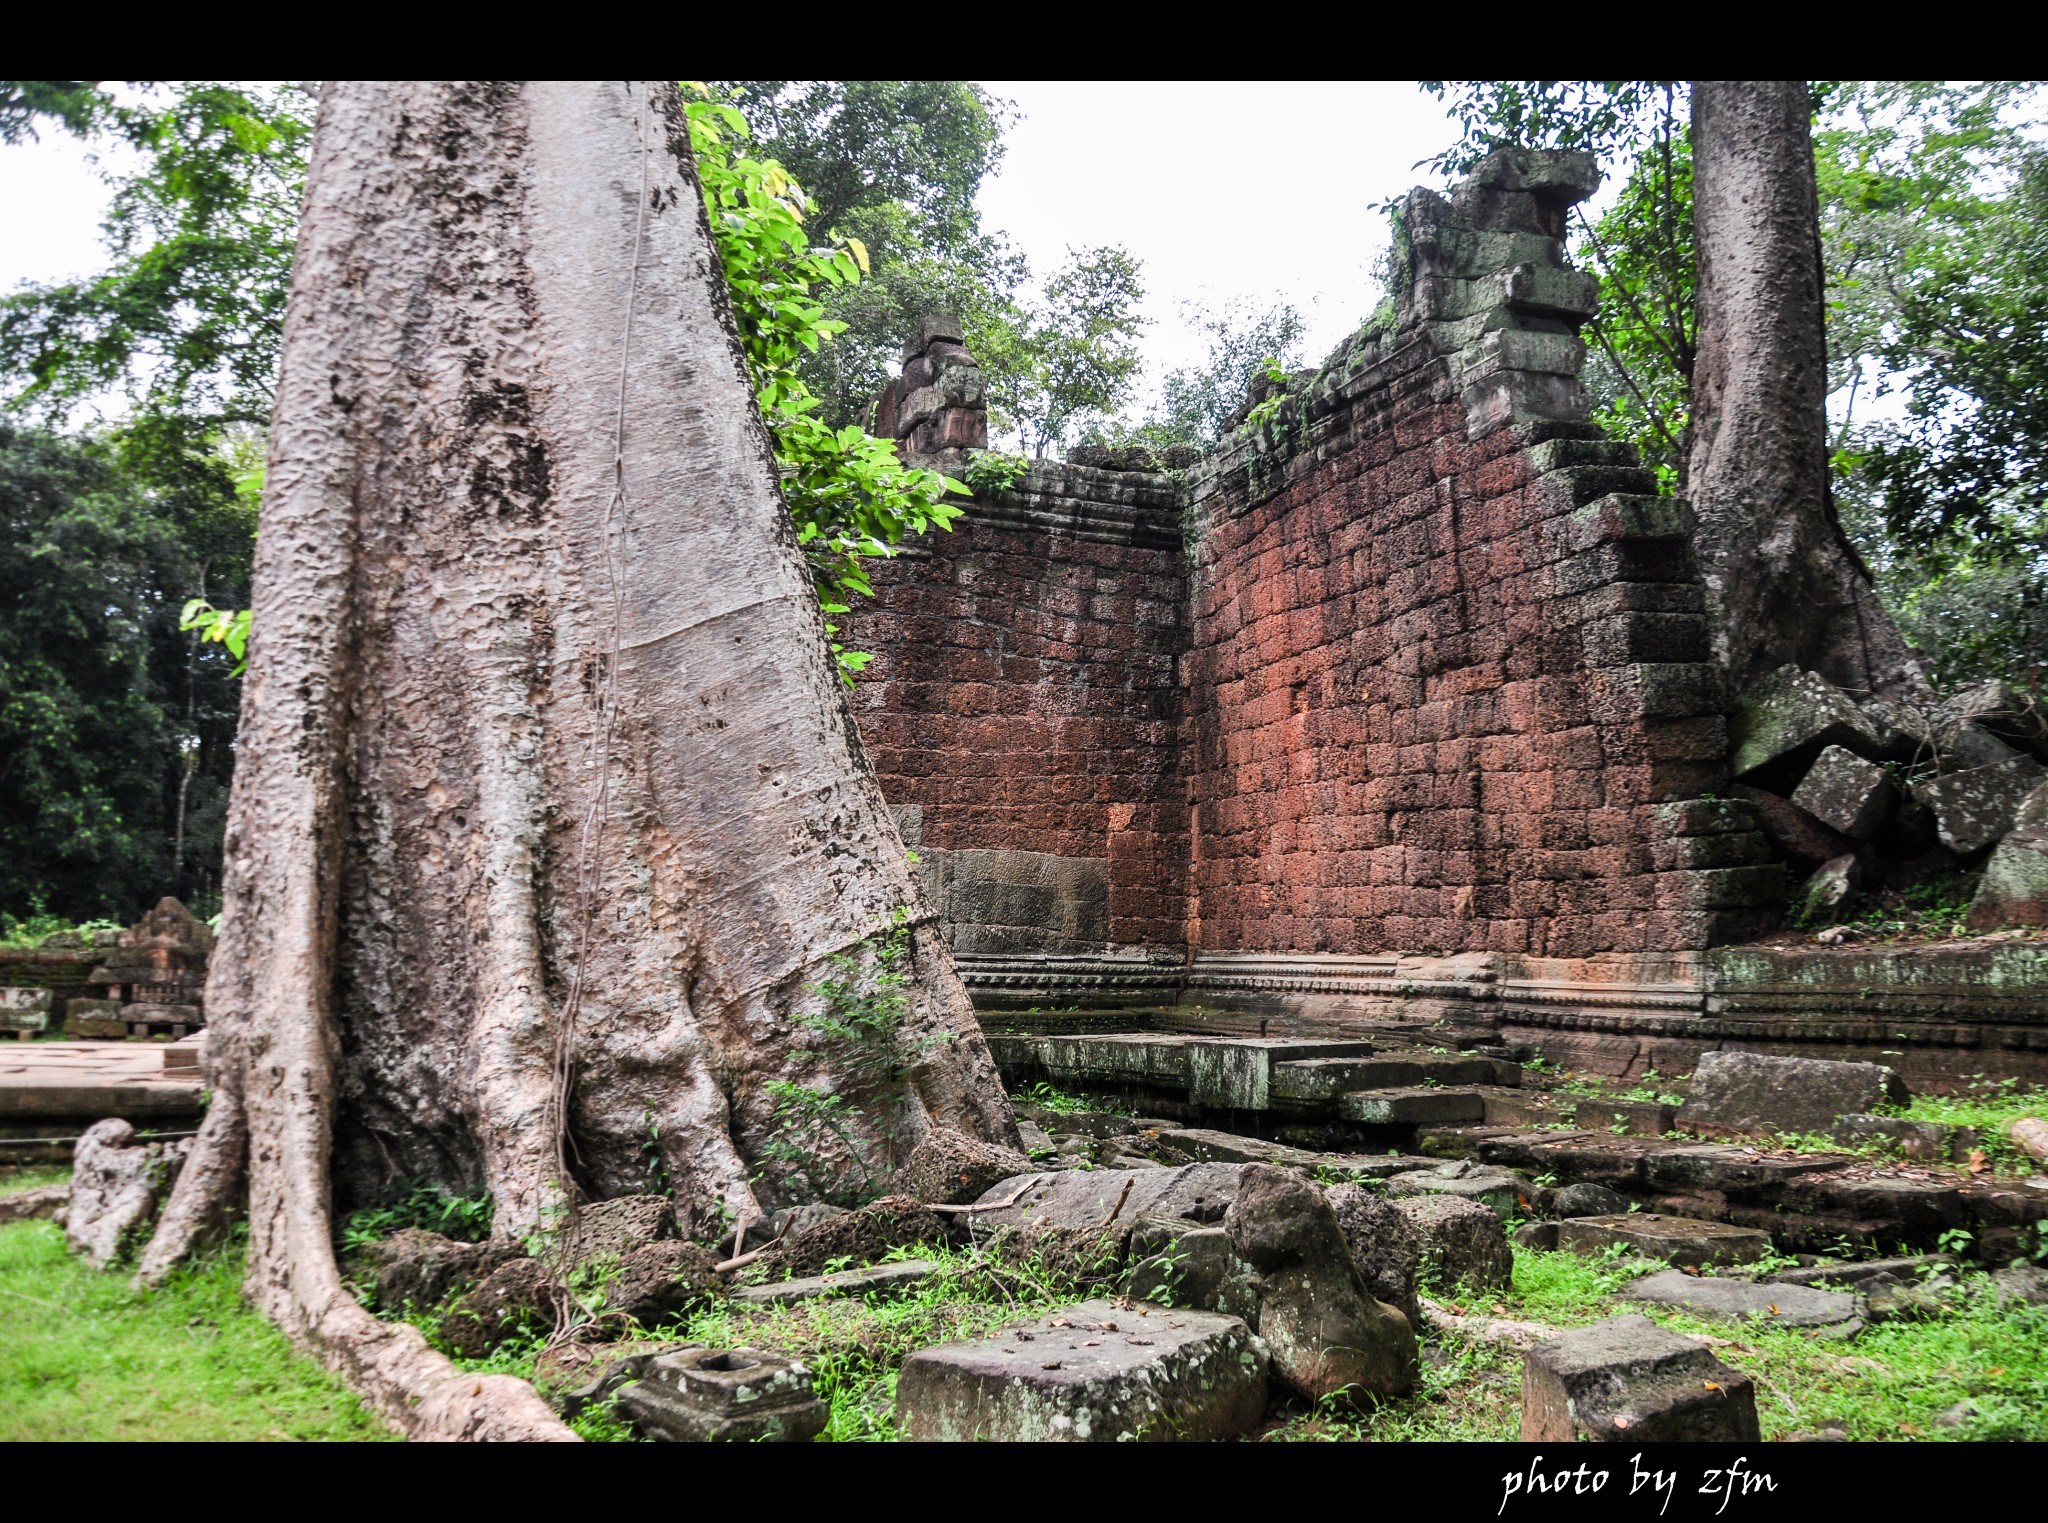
<point>2022,1285</point>
<point>1677,1240</point>
<point>1501,1192</point>
<point>860,1237</point>
<point>1792,832</point>
<point>1718,1299</point>
<point>1933,1141</point>
<point>2030,1135</point>
<point>1094,1372</point>
<point>1846,793</point>
<point>1198,1192</point>
<point>613,1228</point>
<point>884,1280</point>
<point>572,1377</point>
<point>1176,1263</point>
<point>659,1281</point>
<point>1898,1206</point>
<point>2000,709</point>
<point>515,1299</point>
<point>1587,1200</point>
<point>94,1020</point>
<point>1627,1380</point>
<point>1739,1172</point>
<point>117,1186</point>
<point>1864,1271</point>
<point>1328,1336</point>
<point>1204,1146</point>
<point>2014,888</point>
<point>1785,720</point>
<point>420,1268</point>
<point>1634,1118</point>
<point>1975,808</point>
<point>1741,1093</point>
<point>950,1167</point>
<point>31,1205</point>
<point>1411,1107</point>
<point>1541,1236</point>
<point>733,1395</point>
<point>1460,1242</point>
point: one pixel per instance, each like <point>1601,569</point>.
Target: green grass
<point>1889,1382</point>
<point>85,1356</point>
<point>853,1346</point>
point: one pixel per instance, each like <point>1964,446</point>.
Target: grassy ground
<point>1976,1373</point>
<point>84,1356</point>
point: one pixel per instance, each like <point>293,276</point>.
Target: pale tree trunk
<point>1786,583</point>
<point>541,754</point>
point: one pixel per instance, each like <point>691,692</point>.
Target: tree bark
<point>1786,583</point>
<point>542,756</point>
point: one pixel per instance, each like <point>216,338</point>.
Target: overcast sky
<point>1265,192</point>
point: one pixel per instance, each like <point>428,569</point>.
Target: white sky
<point>1266,192</point>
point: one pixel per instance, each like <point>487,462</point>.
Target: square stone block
<point>1091,1372</point>
<point>739,1395</point>
<point>1679,1240</point>
<point>1628,1380</point>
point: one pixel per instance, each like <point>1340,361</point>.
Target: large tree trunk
<point>1787,584</point>
<point>547,816</point>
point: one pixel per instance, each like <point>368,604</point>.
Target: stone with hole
<point>1095,1372</point>
<point>743,1395</point>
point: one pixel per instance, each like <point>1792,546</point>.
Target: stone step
<point>1325,1078</point>
<point>1411,1107</point>
<point>1199,1145</point>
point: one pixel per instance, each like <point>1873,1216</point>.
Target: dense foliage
<point>116,731</point>
<point>1934,241</point>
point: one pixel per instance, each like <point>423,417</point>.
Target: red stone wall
<point>1024,693</point>
<point>1449,694</point>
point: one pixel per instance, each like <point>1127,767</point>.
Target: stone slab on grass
<point>886,1280</point>
<point>1743,1093</point>
<point>1627,1380</point>
<point>1717,1299</point>
<point>1093,1372</point>
<point>1679,1240</point>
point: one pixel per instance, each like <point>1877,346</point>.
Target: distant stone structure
<point>1399,703</point>
<point>153,978</point>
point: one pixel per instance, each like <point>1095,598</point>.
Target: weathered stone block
<point>735,1395</point>
<point>1788,718</point>
<point>1094,1372</point>
<point>1636,1118</point>
<point>949,1167</point>
<point>1412,1107</point>
<point>117,1186</point>
<point>1846,793</point>
<point>2014,888</point>
<point>1628,1380</point>
<point>94,1020</point>
<point>1460,1242</point>
<point>2001,709</point>
<point>24,1009</point>
<point>1678,1240</point>
<point>1328,1337</point>
<point>886,1281</point>
<point>1973,809</point>
<point>1718,1299</point>
<point>1587,1200</point>
<point>1741,1093</point>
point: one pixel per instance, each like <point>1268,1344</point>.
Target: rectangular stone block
<point>1677,1240</point>
<point>1628,1380</point>
<point>1093,1372</point>
<point>1412,1107</point>
<point>1743,1093</point>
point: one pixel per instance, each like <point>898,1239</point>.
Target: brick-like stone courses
<point>1401,739</point>
<point>1024,690</point>
<point>1449,693</point>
